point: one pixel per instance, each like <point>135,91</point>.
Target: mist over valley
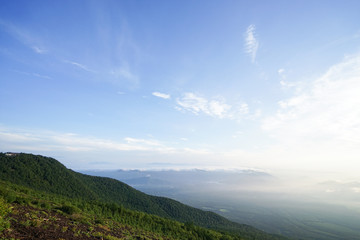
<point>295,208</point>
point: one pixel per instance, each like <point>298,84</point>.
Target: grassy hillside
<point>50,177</point>
<point>31,214</point>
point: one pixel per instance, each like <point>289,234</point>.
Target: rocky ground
<point>31,223</point>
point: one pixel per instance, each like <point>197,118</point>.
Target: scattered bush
<point>68,209</point>
<point>4,211</point>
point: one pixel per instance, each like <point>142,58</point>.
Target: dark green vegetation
<point>31,214</point>
<point>43,184</point>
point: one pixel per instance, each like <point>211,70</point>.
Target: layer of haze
<point>300,208</point>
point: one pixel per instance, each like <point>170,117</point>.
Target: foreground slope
<point>48,175</point>
<point>30,214</point>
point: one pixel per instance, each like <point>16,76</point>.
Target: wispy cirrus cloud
<point>281,72</point>
<point>161,95</point>
<point>24,36</point>
<point>33,74</point>
<point>251,42</point>
<point>120,50</point>
<point>124,73</point>
<point>39,50</point>
<point>79,65</point>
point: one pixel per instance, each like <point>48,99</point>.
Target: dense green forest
<point>44,183</point>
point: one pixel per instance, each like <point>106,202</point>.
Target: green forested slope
<point>48,175</point>
<point>32,214</point>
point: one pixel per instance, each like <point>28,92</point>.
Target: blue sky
<point>182,84</point>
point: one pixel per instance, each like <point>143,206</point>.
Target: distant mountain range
<point>47,175</point>
<point>164,181</point>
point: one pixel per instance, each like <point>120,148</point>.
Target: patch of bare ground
<point>31,223</point>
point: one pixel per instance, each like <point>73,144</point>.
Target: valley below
<point>256,198</point>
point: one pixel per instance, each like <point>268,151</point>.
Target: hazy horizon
<point>292,206</point>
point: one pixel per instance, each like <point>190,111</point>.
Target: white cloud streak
<point>216,108</point>
<point>124,73</point>
<point>79,65</point>
<point>142,141</point>
<point>71,142</point>
<point>196,104</point>
<point>45,141</point>
<point>33,74</point>
<point>39,50</point>
<point>161,95</point>
<point>251,43</point>
<point>24,37</point>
